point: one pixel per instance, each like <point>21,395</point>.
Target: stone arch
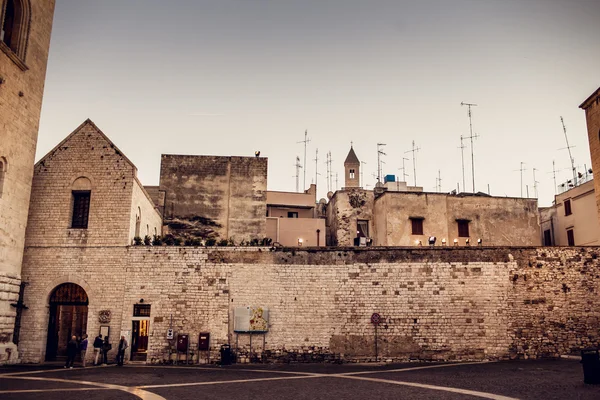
<point>68,316</point>
<point>82,183</point>
<point>138,221</point>
<point>15,19</point>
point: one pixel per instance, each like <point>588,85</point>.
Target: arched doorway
<point>68,316</point>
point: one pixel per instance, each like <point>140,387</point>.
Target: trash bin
<point>225,354</point>
<point>591,366</point>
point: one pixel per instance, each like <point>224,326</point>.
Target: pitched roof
<point>351,158</point>
<point>95,127</point>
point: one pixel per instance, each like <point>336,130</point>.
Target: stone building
<point>591,105</point>
<point>409,217</point>
<point>25,27</point>
<point>573,218</point>
<point>85,195</point>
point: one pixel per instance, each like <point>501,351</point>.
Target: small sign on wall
<point>170,334</point>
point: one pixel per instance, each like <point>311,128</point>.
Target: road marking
<point>416,368</point>
<point>432,387</point>
<point>142,394</point>
<point>42,371</point>
<point>51,390</point>
<point>232,381</point>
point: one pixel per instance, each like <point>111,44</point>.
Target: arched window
<point>3,167</point>
<point>15,16</point>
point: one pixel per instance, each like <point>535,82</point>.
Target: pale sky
<point>228,77</point>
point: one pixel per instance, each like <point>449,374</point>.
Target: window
<point>568,207</point>
<point>3,166</point>
<point>138,218</point>
<point>362,228</point>
<point>14,26</point>
<point>141,310</point>
<point>417,225</point>
<point>292,214</point>
<point>547,237</point>
<point>81,209</point>
<point>463,227</point>
<point>570,237</point>
<point>351,173</point>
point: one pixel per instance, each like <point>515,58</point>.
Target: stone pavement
<point>538,379</point>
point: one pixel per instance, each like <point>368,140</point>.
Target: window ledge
<point>15,58</point>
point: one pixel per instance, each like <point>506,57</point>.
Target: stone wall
<point>441,303</point>
<point>210,196</point>
<point>345,208</point>
<point>21,91</point>
<point>150,218</point>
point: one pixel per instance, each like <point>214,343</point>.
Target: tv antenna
<point>403,169</point>
<point>298,166</point>
<point>414,151</point>
<point>379,154</point>
<point>521,170</point>
<point>305,141</point>
<point>336,181</point>
<point>462,158</point>
<point>316,160</point>
<point>362,174</point>
<point>469,105</point>
<point>569,149</point>
<point>554,171</point>
<point>438,182</point>
<point>535,184</point>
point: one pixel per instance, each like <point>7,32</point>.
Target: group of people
<point>79,345</point>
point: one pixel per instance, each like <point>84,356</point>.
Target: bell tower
<point>352,170</point>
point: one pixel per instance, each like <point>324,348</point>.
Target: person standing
<point>83,348</point>
<point>106,346</point>
<point>72,348</point>
<point>97,348</point>
<point>121,354</point>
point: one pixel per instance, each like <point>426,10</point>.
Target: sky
<point>230,77</point>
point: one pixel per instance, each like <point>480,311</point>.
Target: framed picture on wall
<point>104,331</point>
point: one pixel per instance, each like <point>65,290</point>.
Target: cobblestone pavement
<point>540,379</point>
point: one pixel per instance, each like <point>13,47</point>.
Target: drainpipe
<point>318,237</point>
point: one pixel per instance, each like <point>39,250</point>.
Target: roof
<point>87,122</point>
<point>351,158</point>
<point>589,100</point>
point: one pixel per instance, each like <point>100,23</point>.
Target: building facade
<point>25,27</point>
<point>573,219</point>
<point>592,116</point>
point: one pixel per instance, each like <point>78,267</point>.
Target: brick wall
<point>21,94</point>
<point>442,303</point>
<point>85,153</point>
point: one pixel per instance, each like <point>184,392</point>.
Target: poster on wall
<point>251,320</point>
<point>105,331</point>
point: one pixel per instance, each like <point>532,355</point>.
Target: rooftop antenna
<point>413,151</point>
<point>535,183</point>
<point>327,166</point>
<point>316,160</point>
<point>569,149</point>
<point>362,174</point>
<point>554,171</point>
<point>462,158</point>
<point>298,166</point>
<point>330,170</point>
<point>379,154</point>
<point>469,105</point>
<point>521,170</point>
<point>305,141</point>
<point>438,182</point>
<point>403,169</point>
<point>336,181</point>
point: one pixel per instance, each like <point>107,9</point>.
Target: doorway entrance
<point>68,317</point>
<point>140,328</point>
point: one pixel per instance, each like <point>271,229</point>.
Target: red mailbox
<point>204,341</point>
<point>182,343</point>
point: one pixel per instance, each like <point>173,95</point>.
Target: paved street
<point>501,381</point>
